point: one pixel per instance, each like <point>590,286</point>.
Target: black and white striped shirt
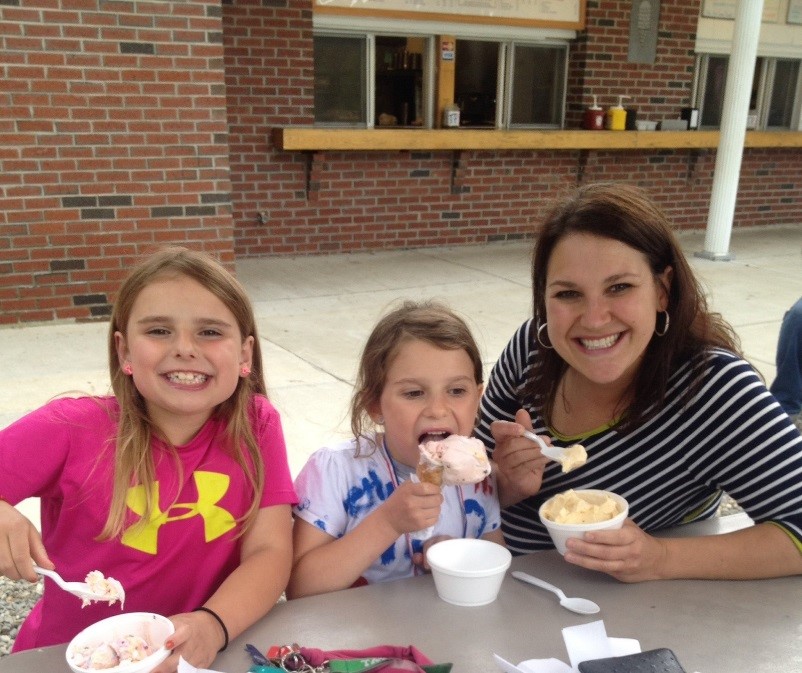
<point>731,436</point>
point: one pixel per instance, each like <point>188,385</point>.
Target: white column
<point>746,31</point>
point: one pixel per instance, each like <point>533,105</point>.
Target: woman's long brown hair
<point>625,213</point>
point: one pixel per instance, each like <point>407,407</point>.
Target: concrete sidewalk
<point>314,314</point>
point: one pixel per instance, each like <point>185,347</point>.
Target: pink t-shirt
<point>63,453</point>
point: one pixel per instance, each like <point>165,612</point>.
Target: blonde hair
<point>133,458</point>
<point>427,321</point>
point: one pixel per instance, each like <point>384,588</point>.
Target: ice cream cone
<point>453,461</point>
<point>430,474</point>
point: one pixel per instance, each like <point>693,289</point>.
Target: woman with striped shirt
<point>623,356</point>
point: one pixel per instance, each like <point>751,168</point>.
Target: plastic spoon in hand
<point>82,589</point>
<point>554,452</point>
<point>569,457</point>
<point>581,606</point>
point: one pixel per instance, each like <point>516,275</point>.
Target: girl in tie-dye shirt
<point>361,511</point>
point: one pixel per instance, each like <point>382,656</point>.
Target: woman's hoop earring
<point>539,338</point>
<point>665,327</point>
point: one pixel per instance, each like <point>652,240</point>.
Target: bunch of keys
<point>288,659</point>
<point>281,659</point>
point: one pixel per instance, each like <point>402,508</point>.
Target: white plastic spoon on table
<point>581,606</point>
<point>81,589</point>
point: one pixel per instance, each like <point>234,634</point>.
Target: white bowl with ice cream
<point>132,642</point>
<point>468,571</point>
<point>576,512</point>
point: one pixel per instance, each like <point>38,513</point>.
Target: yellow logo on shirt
<point>212,486</point>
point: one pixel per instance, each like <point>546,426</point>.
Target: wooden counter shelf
<point>313,139</point>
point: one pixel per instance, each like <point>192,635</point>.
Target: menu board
<point>555,13</point>
<point>725,9</point>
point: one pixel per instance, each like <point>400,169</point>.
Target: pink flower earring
<point>128,369</point>
<point>245,371</point>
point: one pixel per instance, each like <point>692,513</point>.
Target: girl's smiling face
<point>429,392</point>
<point>602,301</point>
<point>186,353</point>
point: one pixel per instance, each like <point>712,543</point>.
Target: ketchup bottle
<point>594,117</point>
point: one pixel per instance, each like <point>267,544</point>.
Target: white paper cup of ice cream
<point>99,646</point>
<point>560,530</point>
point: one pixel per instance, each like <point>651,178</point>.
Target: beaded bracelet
<point>219,621</point>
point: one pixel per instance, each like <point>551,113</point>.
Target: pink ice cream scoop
<point>462,460</point>
<point>110,654</point>
<point>132,648</point>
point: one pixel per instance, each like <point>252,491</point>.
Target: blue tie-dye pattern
<point>473,508</point>
<point>365,497</point>
<point>321,524</point>
<point>388,556</point>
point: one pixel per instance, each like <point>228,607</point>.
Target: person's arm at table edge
<point>761,551</point>
<point>323,563</point>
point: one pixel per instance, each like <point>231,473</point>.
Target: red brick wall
<point>124,125</point>
<point>370,200</point>
<point>269,82</point>
<point>112,140</point>
<point>599,62</point>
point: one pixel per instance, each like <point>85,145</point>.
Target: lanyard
<point>394,478</point>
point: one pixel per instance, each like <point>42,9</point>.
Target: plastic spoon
<point>556,453</point>
<point>81,589</point>
<point>581,606</point>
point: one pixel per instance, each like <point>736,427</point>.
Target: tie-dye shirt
<point>337,491</point>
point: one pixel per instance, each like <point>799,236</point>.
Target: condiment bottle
<point>594,117</point>
<point>451,115</point>
<point>616,119</point>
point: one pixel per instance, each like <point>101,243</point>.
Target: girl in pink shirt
<point>177,485</point>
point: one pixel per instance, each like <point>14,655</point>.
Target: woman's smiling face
<point>602,302</point>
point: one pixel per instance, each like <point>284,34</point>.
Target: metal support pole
<point>737,91</point>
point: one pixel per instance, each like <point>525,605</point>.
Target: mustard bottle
<point>616,118</point>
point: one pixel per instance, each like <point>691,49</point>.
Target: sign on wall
<point>794,11</point>
<point>644,18</point>
<point>725,9</point>
<point>552,13</point>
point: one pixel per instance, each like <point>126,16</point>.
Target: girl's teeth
<point>186,377</point>
<point>432,437</point>
<point>596,344</point>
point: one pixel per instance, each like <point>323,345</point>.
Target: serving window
<point>775,98</point>
<point>384,80</point>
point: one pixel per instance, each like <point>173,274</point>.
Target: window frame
<point>562,85</point>
<point>770,80</point>
<point>369,94</point>
<point>763,88</point>
<point>369,28</point>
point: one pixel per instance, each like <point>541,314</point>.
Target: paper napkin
<point>583,642</point>
<point>184,667</point>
